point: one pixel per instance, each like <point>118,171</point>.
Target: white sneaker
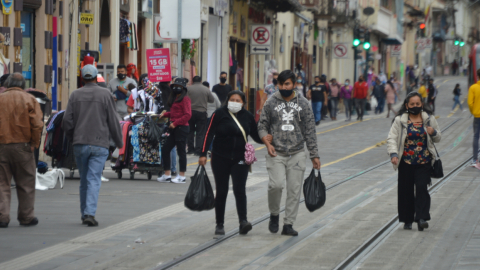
<point>165,179</point>
<point>104,179</point>
<point>474,162</point>
<point>179,180</point>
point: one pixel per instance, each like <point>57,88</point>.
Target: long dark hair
<point>403,109</point>
<point>173,97</point>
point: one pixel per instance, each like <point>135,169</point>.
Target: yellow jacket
<point>423,91</point>
<point>474,99</point>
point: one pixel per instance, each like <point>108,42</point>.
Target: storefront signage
<point>424,43</point>
<point>396,50</point>
<point>86,18</point>
<point>7,6</point>
<point>158,65</point>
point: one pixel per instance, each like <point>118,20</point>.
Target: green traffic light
<point>457,42</point>
<point>366,45</point>
<point>356,42</point>
<point>462,44</point>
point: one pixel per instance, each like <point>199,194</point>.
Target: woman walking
<point>411,149</point>
<point>391,94</point>
<point>179,114</point>
<point>230,125</point>
<point>299,86</point>
<point>456,97</point>
<point>346,95</point>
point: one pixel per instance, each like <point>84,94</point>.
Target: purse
<point>249,149</point>
<point>437,169</point>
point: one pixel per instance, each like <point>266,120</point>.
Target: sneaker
<point>245,227</point>
<point>288,230</point>
<point>90,221</point>
<point>473,164</point>
<point>83,220</point>
<point>317,123</point>
<point>179,180</point>
<point>273,224</point>
<point>165,179</point>
<point>219,230</point>
<point>104,179</point>
<point>33,222</point>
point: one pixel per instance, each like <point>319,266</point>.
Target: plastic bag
<point>49,179</point>
<point>314,191</point>
<point>200,195</point>
<point>373,102</point>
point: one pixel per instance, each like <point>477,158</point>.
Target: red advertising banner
<point>158,64</point>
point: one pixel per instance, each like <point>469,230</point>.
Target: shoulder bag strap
<point>239,126</point>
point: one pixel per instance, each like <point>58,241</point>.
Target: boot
<point>219,230</point>
<point>273,224</point>
<point>288,230</point>
<point>245,227</point>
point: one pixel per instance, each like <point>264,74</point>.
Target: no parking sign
<point>340,50</point>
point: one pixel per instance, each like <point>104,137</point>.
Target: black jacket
<point>229,142</point>
<point>379,91</point>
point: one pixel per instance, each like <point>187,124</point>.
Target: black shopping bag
<point>314,191</point>
<point>200,193</point>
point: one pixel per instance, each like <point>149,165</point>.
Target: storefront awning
<point>282,5</point>
<point>393,40</point>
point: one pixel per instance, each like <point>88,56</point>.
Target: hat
<point>89,72</point>
<point>88,60</point>
<point>181,81</point>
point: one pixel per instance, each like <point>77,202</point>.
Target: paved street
<point>144,224</point>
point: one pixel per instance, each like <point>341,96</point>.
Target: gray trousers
<point>289,169</point>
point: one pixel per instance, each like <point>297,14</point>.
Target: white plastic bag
<point>49,179</point>
<point>373,103</point>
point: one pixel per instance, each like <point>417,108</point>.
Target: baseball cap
<point>89,72</point>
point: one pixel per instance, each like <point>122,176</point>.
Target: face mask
<point>234,107</point>
<point>369,72</point>
<point>286,93</point>
<point>223,80</point>
<point>299,80</point>
<point>177,89</point>
<point>317,82</point>
<point>121,76</point>
<point>274,81</point>
<point>415,110</point>
<point>346,83</point>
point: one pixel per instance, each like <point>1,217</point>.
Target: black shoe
<point>90,221</point>
<point>317,123</point>
<point>33,222</point>
<point>219,230</point>
<point>288,230</point>
<point>3,224</point>
<point>407,226</point>
<point>422,224</point>
<point>245,227</point>
<point>83,221</point>
<point>273,224</point>
<point>173,173</point>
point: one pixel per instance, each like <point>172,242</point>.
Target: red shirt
<point>360,90</point>
<point>180,112</point>
<point>131,101</point>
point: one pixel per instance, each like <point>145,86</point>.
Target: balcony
<point>311,5</point>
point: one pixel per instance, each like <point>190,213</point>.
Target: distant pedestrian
<point>423,91</point>
<point>474,106</point>
<point>360,92</point>
<point>231,125</point>
<point>454,67</point>
<point>89,123</point>
<point>212,107</point>
<point>179,114</point>
<point>391,94</point>
<point>166,92</point>
<point>379,93</point>
<point>200,97</point>
<point>334,93</point>
<point>287,116</point>
<point>132,72</point>
<point>222,89</point>
<point>411,149</point>
<point>457,92</point>
<point>432,94</point>
<point>328,108</point>
<point>118,88</point>
<point>346,95</point>
<point>21,128</point>
<point>299,86</point>
<point>273,87</point>
<point>318,95</point>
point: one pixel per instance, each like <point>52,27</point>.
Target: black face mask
<point>177,89</point>
<point>317,82</point>
<point>223,80</point>
<point>274,81</point>
<point>286,93</point>
<point>415,110</point>
<point>121,76</point>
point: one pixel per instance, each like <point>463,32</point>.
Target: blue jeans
<point>317,110</point>
<point>476,136</point>
<point>456,100</point>
<point>380,105</point>
<point>173,158</point>
<point>90,162</point>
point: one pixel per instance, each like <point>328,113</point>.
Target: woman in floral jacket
<point>411,149</point>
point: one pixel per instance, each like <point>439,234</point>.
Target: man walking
<point>287,116</point>
<point>318,95</point>
<point>200,96</point>
<point>474,106</point>
<point>432,94</point>
<point>119,89</point>
<point>379,94</point>
<point>360,92</point>
<point>21,128</point>
<point>89,121</point>
<point>222,88</point>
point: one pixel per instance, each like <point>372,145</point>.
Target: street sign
<point>165,27</point>
<point>396,50</point>
<point>260,39</point>
<point>423,44</point>
<point>158,65</point>
<point>340,50</point>
<point>86,18</point>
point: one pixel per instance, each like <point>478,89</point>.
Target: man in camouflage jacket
<point>285,125</point>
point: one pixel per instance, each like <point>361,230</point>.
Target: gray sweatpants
<point>289,169</point>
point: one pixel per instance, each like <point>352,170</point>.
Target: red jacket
<point>360,90</point>
<point>180,112</point>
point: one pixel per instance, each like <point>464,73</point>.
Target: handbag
<point>437,169</point>
<point>249,149</point>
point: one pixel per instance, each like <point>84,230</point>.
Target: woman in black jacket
<point>228,156</point>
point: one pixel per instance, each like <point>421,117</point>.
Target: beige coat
<point>398,134</point>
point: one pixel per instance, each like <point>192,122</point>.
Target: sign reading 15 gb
<point>86,18</point>
<point>158,65</point>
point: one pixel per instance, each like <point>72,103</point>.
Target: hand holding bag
<point>314,191</point>
<point>249,149</point>
<point>200,195</point>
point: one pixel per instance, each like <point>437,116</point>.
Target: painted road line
<point>456,109</point>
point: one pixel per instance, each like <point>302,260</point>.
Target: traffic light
<point>457,42</point>
<point>366,42</point>
<point>357,53</point>
<point>356,37</point>
<point>462,43</point>
<point>422,26</point>
<point>421,30</point>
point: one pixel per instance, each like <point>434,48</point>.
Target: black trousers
<point>222,169</point>
<point>178,137</point>
<point>413,197</point>
<point>197,124</point>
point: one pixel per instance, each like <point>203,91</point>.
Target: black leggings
<point>222,169</point>
<point>178,137</point>
<point>413,197</point>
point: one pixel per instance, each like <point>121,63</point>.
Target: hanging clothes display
<point>124,30</point>
<point>133,45</point>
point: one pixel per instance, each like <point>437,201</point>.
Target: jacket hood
<point>404,118</point>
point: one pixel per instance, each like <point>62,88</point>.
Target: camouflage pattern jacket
<point>290,123</point>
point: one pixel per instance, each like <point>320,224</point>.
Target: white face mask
<point>234,107</point>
